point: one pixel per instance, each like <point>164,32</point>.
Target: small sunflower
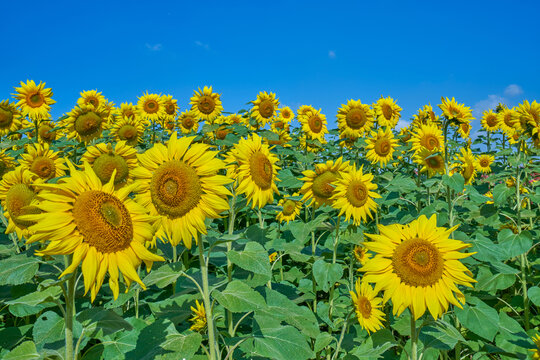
<point>313,124</point>
<point>235,119</point>
<point>7,163</point>
<point>46,132</point>
<point>128,110</point>
<point>284,139</point>
<point>381,146</point>
<point>418,267</point>
<point>151,107</point>
<point>319,185</point>
<point>454,111</point>
<point>169,124</point>
<point>180,185</point>
<point>43,161</point>
<point>467,165</point>
<point>171,107</point>
<point>206,104</point>
<point>432,162</point>
<point>128,129</point>
<point>10,118</point>
<point>257,171</point>
<point>355,119</point>
<point>536,352</point>
<point>272,257</point>
<point>464,129</point>
<point>361,254</point>
<point>490,121</point>
<point>310,145</point>
<point>85,123</point>
<point>188,122</point>
<point>34,100</point>
<point>425,115</point>
<point>484,163</point>
<point>507,120</point>
<point>91,98</point>
<point>428,136</point>
<point>387,112</point>
<point>222,129</point>
<point>106,160</point>
<point>290,209</point>
<point>367,307</point>
<point>283,121</point>
<point>264,108</point>
<point>199,317</point>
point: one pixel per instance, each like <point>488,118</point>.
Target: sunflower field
<point>140,231</point>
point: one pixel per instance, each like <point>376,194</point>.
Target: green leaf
<point>514,244</point>
<point>25,351</point>
<point>322,341</point>
<point>253,258</point>
<point>282,343</point>
<point>239,297</point>
<point>37,297</point>
<point>480,319</point>
<point>163,276</point>
<point>501,192</point>
<point>326,274</point>
<point>401,184</point>
<point>18,269</point>
<point>369,352</point>
<point>486,250</point>
<point>49,327</point>
<point>441,335</point>
<point>492,282</point>
<point>534,295</point>
<point>98,322</point>
<point>456,182</point>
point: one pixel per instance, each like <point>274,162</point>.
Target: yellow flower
<point>264,108</point>
<point>454,111</point>
<point>418,267</point>
<point>34,100</point>
<point>42,161</point>
<point>272,257</point>
<point>318,186</point>
<point>387,112</point>
<point>199,317</point>
<point>484,163</point>
<point>507,119</point>
<point>381,145</point>
<point>432,162</point>
<point>9,118</point>
<point>427,136</point>
<point>284,139</point>
<point>128,110</point>
<point>529,113</point>
<point>536,352</point>
<point>91,98</point>
<point>46,132</point>
<point>188,122</point>
<point>206,104</point>
<point>467,165</point>
<point>128,129</point>
<point>425,116</point>
<point>85,123</point>
<point>171,107</point>
<point>313,124</point>
<point>464,129</point>
<point>360,254</point>
<point>489,194</point>
<point>290,209</point>
<point>7,163</point>
<point>367,307</point>
<point>355,119</point>
<point>151,107</point>
<point>490,121</point>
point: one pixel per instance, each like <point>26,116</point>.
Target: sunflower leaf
<point>18,269</point>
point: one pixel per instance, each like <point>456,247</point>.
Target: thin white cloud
<point>402,124</point>
<point>203,45</point>
<point>487,104</point>
<point>332,54</point>
<point>513,90</point>
<point>155,47</point>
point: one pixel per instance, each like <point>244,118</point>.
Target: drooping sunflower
<point>464,129</point>
<point>206,104</point>
<point>290,209</point>
<point>418,267</point>
<point>454,111</point>
<point>34,100</point>
<point>7,163</point>
<point>355,119</point>
<point>10,118</point>
<point>180,185</point>
<point>484,163</point>
<point>92,98</point>
<point>507,120</point>
<point>18,196</point>
<point>428,136</point>
<point>151,107</point>
<point>467,165</point>
<point>104,160</point>
<point>387,112</point>
<point>41,160</point>
<point>360,254</point>
<point>529,113</point>
<point>318,186</point>
<point>380,146</point>
<point>257,171</point>
<point>171,107</point>
<point>425,115</point>
<point>103,228</point>
<point>354,195</point>
<point>188,122</point>
<point>264,108</point>
<point>199,317</point>
<point>128,129</point>
<point>313,124</point>
<point>367,307</point>
<point>431,162</point>
<point>85,123</point>
<point>490,121</point>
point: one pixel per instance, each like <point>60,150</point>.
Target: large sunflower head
<point>86,123</point>
<point>290,209</point>
<point>34,100</point>
<point>484,163</point>
<point>490,121</point>
<point>387,112</point>
<point>91,98</point>
<point>319,185</point>
<point>428,136</point>
<point>206,104</point>
<point>264,108</point>
<point>380,146</point>
<point>151,107</point>
<point>431,162</point>
<point>7,163</point>
<point>454,111</point>
<point>18,196</point>
<point>104,229</point>
<point>188,122</point>
<point>181,186</point>
<point>367,307</point>
<point>10,118</point>
<point>355,119</point>
<point>128,129</point>
<point>43,161</point>
<point>313,124</point>
<point>354,195</point>
<point>417,266</point>
<point>256,174</point>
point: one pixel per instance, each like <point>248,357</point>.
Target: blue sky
<point>306,52</point>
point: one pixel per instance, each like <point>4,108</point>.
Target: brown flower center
<point>434,162</point>
<point>322,185</point>
<point>128,133</point>
<point>387,111</point>
<point>288,207</point>
<point>357,193</point>
<point>382,146</point>
<point>46,134</point>
<point>18,200</point>
<point>170,109</point>
<point>188,122</point>
<point>266,109</point>
<point>206,104</point>
<point>261,170</point>
<point>105,164</point>
<point>43,167</point>
<point>430,141</point>
<point>491,120</point>
<point>151,106</point>
<point>35,99</point>
<point>356,118</point>
<point>6,118</point>
<point>315,123</point>
<point>88,125</point>
<point>364,307</point>
<point>418,262</point>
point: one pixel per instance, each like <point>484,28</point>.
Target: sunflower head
<point>91,98</point>
<point>490,121</point>
<point>454,111</point>
<point>428,136</point>
<point>367,307</point>
<point>290,209</point>
<point>151,107</point>
<point>319,185</point>
<point>34,100</point>
<point>381,146</point>
<point>387,112</point>
<point>206,104</point>
<point>355,119</point>
<point>484,163</point>
<point>86,123</point>
<point>43,161</point>
<point>188,122</point>
<point>431,162</point>
<point>264,108</point>
<point>128,129</point>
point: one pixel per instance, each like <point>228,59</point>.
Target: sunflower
<point>428,136</point>
<point>290,209</point>
<point>381,146</point>
<point>168,124</point>
<point>103,228</point>
<point>367,306</point>
<point>264,108</point>
<point>85,123</point>
<point>42,161</point>
<point>180,185</point>
<point>360,254</point>
<point>418,266</point>
<point>484,163</point>
<point>432,162</point>
<point>171,107</point>
<point>151,107</point>
<point>46,132</point>
<point>536,352</point>
<point>507,119</point>
<point>111,112</point>
<point>128,129</point>
<point>283,121</point>
<point>199,317</point>
<point>284,139</point>
<point>10,118</point>
<point>467,165</point>
<point>272,257</point>
<point>310,145</point>
<point>387,112</point>
<point>18,198</point>
<point>128,110</point>
<point>405,135</point>
<point>91,98</point>
<point>34,100</point>
<point>347,142</point>
<point>105,160</point>
<point>221,131</point>
<point>490,121</point>
<point>454,111</point>
<point>7,163</point>
<point>355,119</point>
<point>188,122</point>
<point>235,119</point>
<point>206,104</point>
<point>257,171</point>
<point>318,186</point>
<point>353,195</point>
<point>529,113</point>
<point>464,129</point>
<point>425,115</point>
<point>489,194</point>
<point>313,124</point>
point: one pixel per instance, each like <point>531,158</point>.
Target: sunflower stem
<point>70,308</point>
<point>232,216</point>
<point>313,251</point>
<point>414,350</point>
<point>206,300</point>
<point>261,220</point>
<point>334,255</point>
<point>137,295</point>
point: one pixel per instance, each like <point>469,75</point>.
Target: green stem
<point>448,192</point>
<point>458,344</point>
<point>70,309</point>
<point>232,216</point>
<point>206,300</point>
<point>313,251</point>
<point>414,350</point>
<point>174,258</point>
<point>137,291</point>
<point>334,256</point>
<point>261,220</point>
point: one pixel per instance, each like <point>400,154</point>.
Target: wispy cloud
<point>490,103</point>
<point>513,90</point>
<point>402,124</point>
<point>155,47</point>
<point>203,45</point>
<point>332,54</point>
